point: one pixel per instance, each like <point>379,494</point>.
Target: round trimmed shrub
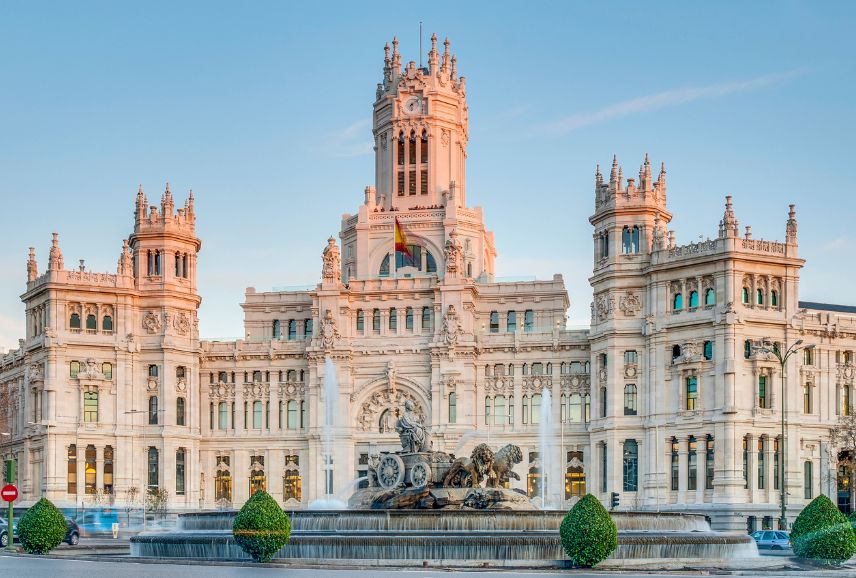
<point>261,528</point>
<point>832,545</point>
<point>42,528</point>
<point>588,533</point>
<point>822,532</point>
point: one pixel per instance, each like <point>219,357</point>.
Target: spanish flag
<point>401,245</point>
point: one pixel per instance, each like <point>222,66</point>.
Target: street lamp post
<point>783,359</point>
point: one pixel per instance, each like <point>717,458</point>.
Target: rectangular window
<point>494,322</point>
<point>411,185</point>
<point>511,322</point>
<point>603,464</point>
<point>107,370</point>
<point>692,393</point>
<point>257,415</point>
<point>423,184</point>
<point>90,407</point>
<point>108,469</point>
<point>762,464</point>
<point>762,391</point>
<point>222,415</point>
<point>745,462</point>
<point>408,319</point>
<point>807,480</point>
<point>630,357</point>
<point>776,464</point>
<point>179,471</point>
<point>453,408</point>
<point>71,472</point>
<point>153,468</point>
<point>179,411</point>
<point>807,399</point>
<point>401,182</point>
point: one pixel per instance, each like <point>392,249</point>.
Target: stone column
<point>99,467</point>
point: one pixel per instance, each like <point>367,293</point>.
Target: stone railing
<point>692,249</point>
<point>763,246</point>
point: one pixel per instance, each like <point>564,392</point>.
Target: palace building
<point>672,399</point>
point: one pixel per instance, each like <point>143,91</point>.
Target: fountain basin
<point>398,537</point>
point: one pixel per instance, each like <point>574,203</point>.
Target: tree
<point>588,533</point>
<point>261,528</point>
<point>156,500</point>
<point>41,528</point>
<point>132,495</point>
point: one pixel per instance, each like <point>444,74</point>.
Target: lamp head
<point>799,342</point>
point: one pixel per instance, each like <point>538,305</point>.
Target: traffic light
<point>613,500</point>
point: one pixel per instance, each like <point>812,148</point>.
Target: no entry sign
<point>9,493</point>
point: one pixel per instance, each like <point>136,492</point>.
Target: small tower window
<point>393,320</point>
<point>401,149</point>
<point>277,329</point>
<point>693,299</point>
<point>494,322</point>
<point>74,321</point>
<point>424,147</point>
<point>107,323</point>
<point>774,299</point>
<point>412,149</point>
<point>759,297</point>
<point>677,302</point>
<point>376,320</point>
<point>745,296</point>
<point>91,323</point>
<point>710,296</point>
<point>384,267</point>
<point>408,318</point>
<point>361,320</point>
<point>708,350</point>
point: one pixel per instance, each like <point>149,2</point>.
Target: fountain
<point>424,505</point>
<point>330,501</point>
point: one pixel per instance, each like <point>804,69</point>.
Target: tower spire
<point>446,56</point>
<point>728,226</point>
<point>32,267</point>
<point>791,226</point>
<point>433,56</point>
<point>55,262</point>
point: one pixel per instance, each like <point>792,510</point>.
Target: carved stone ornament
<point>390,376</point>
<point>181,384</point>
<point>445,137</point>
<point>152,322</point>
<point>36,372</point>
<point>451,327</point>
<point>454,255</point>
<point>256,390</point>
<point>332,270</point>
<point>181,322</point>
<point>630,304</point>
<point>603,306</point>
<point>221,391</point>
<point>89,370</point>
<point>383,140</point>
<point>329,332</point>
<point>382,400</point>
<point>291,389</point>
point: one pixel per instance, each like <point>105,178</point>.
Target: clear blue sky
<point>263,109</point>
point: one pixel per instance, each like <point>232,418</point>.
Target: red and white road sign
<point>9,493</point>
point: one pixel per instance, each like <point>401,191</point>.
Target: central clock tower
<point>420,132</point>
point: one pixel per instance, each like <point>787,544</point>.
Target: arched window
<point>708,463</point>
<point>73,369</point>
<point>361,320</point>
<point>426,319</point>
<point>587,407</point>
<point>107,370</point>
<point>384,267</point>
<point>709,296</point>
<point>692,463</point>
<point>292,329</point>
<point>677,302</point>
<point>393,320</point>
<point>708,350</point>
<point>774,298</point>
<point>222,415</point>
<point>71,470</point>
<point>469,269</point>
<point>157,263</point>
<point>676,351</point>
<point>525,409</point>
<point>376,320</point>
<point>535,413</point>
<point>744,296</point>
<point>499,415</point>
<point>223,377</point>
<point>528,320</point>
<point>307,328</point>
<point>180,463</point>
<point>575,408</point>
<point>408,318</point>
<point>91,322</point>
<point>291,485</point>
<point>411,157</point>
<point>153,370</point>
<point>575,477</point>
<point>424,148</point>
<point>487,410</point>
<point>223,480</point>
<point>494,322</point>
<point>602,402</point>
<point>257,480</point>
<point>631,466</point>
<point>154,467</point>
<point>401,152</point>
<point>292,414</point>
<point>511,321</point>
<point>90,406</point>
<point>90,470</point>
<point>257,415</point>
<point>107,323</point>
<point>630,399</point>
<point>634,238</point>
<point>108,469</point>
<point>759,297</point>
<point>453,407</point>
<point>692,392</point>
<point>153,410</point>
<point>430,263</point>
<point>179,411</point>
<point>808,476</point>
<point>807,401</point>
<point>747,349</point>
<point>626,241</point>
<point>277,329</point>
<point>74,321</point>
<point>674,465</point>
<point>693,299</point>
<point>178,264</point>
<point>184,272</point>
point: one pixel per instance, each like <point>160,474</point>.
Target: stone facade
<point>113,389</point>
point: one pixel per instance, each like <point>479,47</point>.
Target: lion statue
<point>472,471</point>
<point>503,464</point>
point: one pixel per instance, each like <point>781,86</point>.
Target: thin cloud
<point>352,141</point>
<point>662,100</point>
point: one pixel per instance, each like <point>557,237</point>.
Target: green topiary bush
<point>261,528</point>
<point>822,532</point>
<point>42,528</point>
<point>588,533</point>
<point>833,544</point>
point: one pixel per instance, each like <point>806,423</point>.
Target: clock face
<point>413,105</point>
